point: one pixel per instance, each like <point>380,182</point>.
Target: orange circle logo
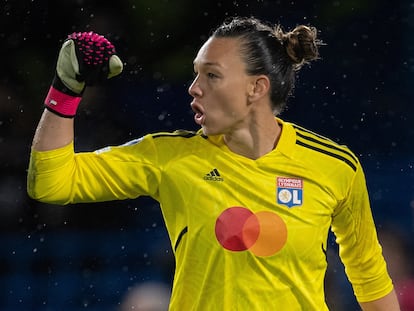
<point>262,233</point>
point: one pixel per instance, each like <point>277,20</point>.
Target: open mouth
<point>198,113</point>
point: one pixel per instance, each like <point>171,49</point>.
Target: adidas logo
<point>214,175</point>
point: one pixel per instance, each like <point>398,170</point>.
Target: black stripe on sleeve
<point>337,156</point>
<point>183,134</point>
<point>180,236</point>
<point>327,144</point>
<point>179,133</point>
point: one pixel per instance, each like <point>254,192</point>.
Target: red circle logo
<point>263,233</point>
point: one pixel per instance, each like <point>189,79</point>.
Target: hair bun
<point>301,44</point>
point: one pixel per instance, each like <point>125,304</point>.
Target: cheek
<point>227,101</point>
<point>235,105</point>
<point>226,107</point>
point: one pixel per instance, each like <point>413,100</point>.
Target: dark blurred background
<point>90,256</point>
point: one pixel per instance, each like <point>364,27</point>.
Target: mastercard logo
<point>239,229</point>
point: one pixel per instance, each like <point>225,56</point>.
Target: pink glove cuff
<point>61,103</point>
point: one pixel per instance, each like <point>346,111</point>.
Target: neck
<point>256,140</point>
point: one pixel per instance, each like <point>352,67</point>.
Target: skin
<point>52,132</point>
<point>386,303</point>
<point>226,101</point>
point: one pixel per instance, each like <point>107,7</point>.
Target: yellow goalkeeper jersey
<point>247,234</point>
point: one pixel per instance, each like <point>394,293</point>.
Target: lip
<point>199,116</point>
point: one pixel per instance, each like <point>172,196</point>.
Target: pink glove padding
<point>61,103</point>
<point>94,48</point>
<point>85,59</point>
<point>93,53</point>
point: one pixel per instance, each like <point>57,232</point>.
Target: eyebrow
<point>209,64</point>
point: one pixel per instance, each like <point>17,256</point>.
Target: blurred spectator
<point>149,296</point>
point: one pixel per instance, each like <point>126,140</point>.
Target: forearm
<point>386,303</point>
<point>53,132</point>
<point>84,59</point>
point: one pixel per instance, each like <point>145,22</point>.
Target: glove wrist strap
<point>62,104</point>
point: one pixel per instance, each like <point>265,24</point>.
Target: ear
<point>259,87</point>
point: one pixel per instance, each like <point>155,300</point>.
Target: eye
<point>211,75</point>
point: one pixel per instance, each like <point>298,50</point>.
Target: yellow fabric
<point>247,234</point>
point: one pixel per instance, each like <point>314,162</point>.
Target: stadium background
<point>87,256</point>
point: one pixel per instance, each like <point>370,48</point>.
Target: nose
<point>194,90</point>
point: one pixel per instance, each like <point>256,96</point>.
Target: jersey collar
<point>287,140</point>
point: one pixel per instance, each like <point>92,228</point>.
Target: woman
<point>249,199</point>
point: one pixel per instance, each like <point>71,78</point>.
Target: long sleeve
<point>359,248</point>
<point>62,176</point>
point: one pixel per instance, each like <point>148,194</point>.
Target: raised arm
<point>84,59</point>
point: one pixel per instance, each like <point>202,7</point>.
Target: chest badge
<point>289,191</point>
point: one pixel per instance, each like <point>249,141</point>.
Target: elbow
<point>31,186</point>
<point>49,176</point>
<point>44,192</point>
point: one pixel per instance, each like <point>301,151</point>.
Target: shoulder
<point>323,150</point>
<point>179,143</point>
<point>178,134</point>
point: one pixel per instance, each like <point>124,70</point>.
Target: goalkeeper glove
<point>85,59</point>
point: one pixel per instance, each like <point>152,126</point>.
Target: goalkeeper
<point>249,199</point>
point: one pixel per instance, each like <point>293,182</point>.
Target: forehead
<point>221,52</point>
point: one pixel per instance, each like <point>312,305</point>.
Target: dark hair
<point>271,51</point>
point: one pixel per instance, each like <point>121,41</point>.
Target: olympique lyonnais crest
<point>289,191</point>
